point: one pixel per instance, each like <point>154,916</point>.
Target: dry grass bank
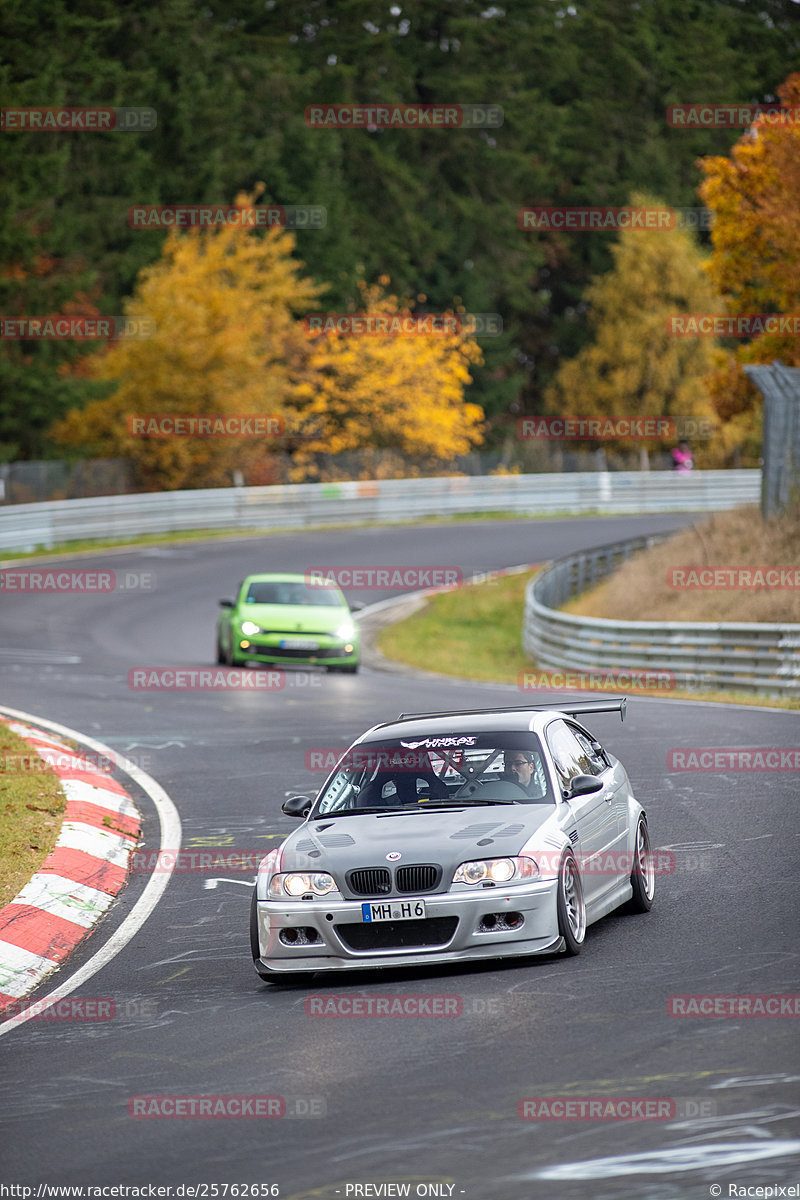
<point>640,590</point>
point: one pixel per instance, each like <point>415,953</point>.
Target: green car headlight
<point>496,870</point>
<point>345,631</point>
<point>299,883</point>
<point>250,627</point>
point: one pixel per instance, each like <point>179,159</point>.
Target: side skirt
<point>609,902</point>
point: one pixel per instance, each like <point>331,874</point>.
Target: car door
<point>595,814</point>
<point>615,792</point>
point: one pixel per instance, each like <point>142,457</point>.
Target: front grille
<point>422,877</point>
<point>398,935</point>
<point>369,881</point>
<point>289,633</point>
<point>277,652</point>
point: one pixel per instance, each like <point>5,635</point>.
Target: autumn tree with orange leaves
<point>229,342</point>
<point>400,394</point>
<point>635,367</point>
<point>755,198</point>
<point>224,302</point>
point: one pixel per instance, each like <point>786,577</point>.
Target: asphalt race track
<point>432,1103</point>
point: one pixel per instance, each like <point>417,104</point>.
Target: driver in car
<point>525,768</point>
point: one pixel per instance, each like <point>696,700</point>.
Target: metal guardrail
<point>25,527</point>
<point>738,656</point>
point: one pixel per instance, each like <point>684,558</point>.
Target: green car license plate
<point>298,644</point>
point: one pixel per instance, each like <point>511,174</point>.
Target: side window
<point>569,756</point>
<point>594,755</point>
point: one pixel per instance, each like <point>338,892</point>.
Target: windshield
<point>285,591</point>
<point>424,774</point>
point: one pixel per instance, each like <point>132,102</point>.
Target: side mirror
<point>226,604</point>
<point>297,806</point>
<point>357,605</point>
<point>584,785</point>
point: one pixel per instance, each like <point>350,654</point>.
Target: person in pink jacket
<point>682,457</point>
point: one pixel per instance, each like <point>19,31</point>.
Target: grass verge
<point>32,804</point>
<point>475,632</point>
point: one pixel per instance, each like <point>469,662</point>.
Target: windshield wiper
<point>383,811</point>
<point>354,812</point>
<point>464,802</point>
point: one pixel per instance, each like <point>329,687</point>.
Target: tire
<point>220,653</point>
<point>570,905</point>
<point>643,878</point>
<point>255,948</point>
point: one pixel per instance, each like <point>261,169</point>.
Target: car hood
<point>294,618</point>
<point>447,838</point>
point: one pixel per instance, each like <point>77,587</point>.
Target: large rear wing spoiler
<point>572,709</point>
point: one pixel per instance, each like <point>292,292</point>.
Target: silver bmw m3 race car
<point>445,837</point>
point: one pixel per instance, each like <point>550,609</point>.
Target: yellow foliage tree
<point>755,198</point>
<point>401,396</point>
<point>223,301</point>
<point>635,366</point>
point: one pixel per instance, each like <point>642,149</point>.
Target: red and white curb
<point>78,880</point>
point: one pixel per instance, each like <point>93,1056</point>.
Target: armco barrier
<point>25,527</point>
<point>742,656</point>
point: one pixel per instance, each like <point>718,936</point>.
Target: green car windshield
<point>287,591</point>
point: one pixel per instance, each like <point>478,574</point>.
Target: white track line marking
<point>170,823</point>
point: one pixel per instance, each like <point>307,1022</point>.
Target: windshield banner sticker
<point>441,743</point>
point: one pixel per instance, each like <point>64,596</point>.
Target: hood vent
<point>474,831</point>
<point>337,839</point>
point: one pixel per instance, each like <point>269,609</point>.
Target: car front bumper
<point>329,653</point>
<point>536,933</point>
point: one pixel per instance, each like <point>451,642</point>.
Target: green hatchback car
<point>285,619</point>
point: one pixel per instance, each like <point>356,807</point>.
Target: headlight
<point>496,870</point>
<point>299,883</point>
<point>345,631</point>
<point>249,627</point>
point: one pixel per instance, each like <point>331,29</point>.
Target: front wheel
<point>643,875</point>
<point>571,905</point>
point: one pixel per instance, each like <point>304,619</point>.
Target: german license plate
<point>298,644</point>
<point>393,910</point>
